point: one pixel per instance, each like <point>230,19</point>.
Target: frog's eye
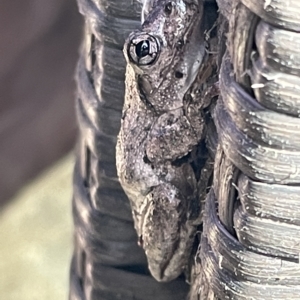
<point>143,49</point>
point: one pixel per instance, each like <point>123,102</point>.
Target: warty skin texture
<point>162,124</point>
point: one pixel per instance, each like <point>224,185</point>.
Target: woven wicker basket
<point>250,243</point>
<point>107,262</point>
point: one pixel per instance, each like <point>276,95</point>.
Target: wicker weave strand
<point>107,262</point>
<point>250,244</point>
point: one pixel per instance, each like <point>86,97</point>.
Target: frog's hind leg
<point>167,236</point>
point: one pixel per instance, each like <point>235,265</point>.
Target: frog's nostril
<point>168,8</point>
<point>178,74</point>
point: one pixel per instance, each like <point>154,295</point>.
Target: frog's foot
<point>167,235</point>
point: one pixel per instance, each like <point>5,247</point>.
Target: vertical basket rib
<point>251,243</point>
<point>107,262</point>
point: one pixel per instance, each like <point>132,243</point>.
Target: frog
<point>162,132</point>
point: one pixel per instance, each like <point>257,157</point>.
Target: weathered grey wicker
<point>107,262</point>
<point>250,244</point>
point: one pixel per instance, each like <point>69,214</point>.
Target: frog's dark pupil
<point>142,49</point>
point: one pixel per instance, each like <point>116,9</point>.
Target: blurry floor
<point>36,238</point>
<point>39,50</point>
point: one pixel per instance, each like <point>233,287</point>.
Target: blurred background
<point>38,53</point>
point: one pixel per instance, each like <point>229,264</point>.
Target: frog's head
<point>167,53</point>
<point>168,6</point>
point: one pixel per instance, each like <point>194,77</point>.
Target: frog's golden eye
<point>143,49</point>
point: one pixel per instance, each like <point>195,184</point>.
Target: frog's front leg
<point>166,234</point>
<point>173,136</point>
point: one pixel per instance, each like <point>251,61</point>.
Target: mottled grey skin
<point>162,123</point>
